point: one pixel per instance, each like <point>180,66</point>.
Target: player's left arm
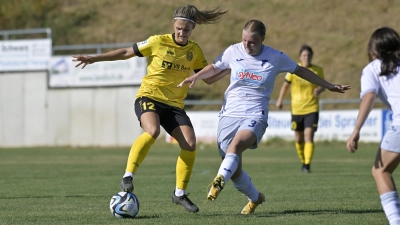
<point>208,71</point>
<point>313,78</point>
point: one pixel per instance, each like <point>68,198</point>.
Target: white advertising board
<point>23,55</point>
<point>63,73</point>
<point>333,125</point>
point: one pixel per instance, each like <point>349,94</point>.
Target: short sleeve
<point>321,73</point>
<point>288,77</point>
<point>286,64</point>
<point>201,61</point>
<point>222,61</point>
<point>369,81</point>
<point>147,47</point>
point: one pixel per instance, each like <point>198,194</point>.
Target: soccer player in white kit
<point>244,113</point>
<point>381,78</point>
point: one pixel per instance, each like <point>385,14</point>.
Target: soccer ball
<point>124,205</point>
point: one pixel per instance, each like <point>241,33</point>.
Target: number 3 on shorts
<point>253,123</point>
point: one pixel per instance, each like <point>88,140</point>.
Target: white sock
<point>229,166</point>
<point>391,206</point>
<point>179,192</point>
<point>128,174</point>
<point>244,185</point>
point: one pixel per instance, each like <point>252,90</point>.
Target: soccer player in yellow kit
<point>159,101</point>
<point>304,106</point>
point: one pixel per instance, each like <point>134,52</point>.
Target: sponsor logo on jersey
<point>248,75</point>
<point>174,66</point>
<point>170,52</point>
<point>142,43</point>
<point>189,56</point>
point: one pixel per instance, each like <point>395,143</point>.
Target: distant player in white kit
<point>244,113</point>
<point>381,78</point>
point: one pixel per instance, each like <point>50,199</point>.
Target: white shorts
<point>229,126</point>
<point>391,140</point>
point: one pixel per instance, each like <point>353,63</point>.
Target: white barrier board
<point>333,125</point>
<point>24,55</point>
<point>63,73</point>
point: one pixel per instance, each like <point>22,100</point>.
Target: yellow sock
<point>300,151</point>
<point>308,152</point>
<point>184,167</point>
<point>139,151</point>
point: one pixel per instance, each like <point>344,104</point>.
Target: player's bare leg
<point>150,123</point>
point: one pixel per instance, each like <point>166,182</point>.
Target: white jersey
<point>252,79</point>
<point>385,87</point>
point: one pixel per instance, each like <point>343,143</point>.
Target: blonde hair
<point>255,26</point>
<point>191,13</point>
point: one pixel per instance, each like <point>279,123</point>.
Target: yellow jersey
<point>169,64</point>
<point>302,96</point>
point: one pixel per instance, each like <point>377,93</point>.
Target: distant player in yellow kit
<point>159,102</point>
<point>304,106</point>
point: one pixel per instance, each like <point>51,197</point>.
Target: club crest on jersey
<point>189,56</point>
<point>264,63</point>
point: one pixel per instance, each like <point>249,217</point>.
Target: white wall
<point>33,115</point>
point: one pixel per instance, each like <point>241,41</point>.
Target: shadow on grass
<point>52,196</point>
<point>305,212</point>
<point>144,217</point>
<point>318,212</point>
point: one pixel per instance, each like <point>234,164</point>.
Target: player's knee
<point>376,172</point>
<point>238,147</point>
<point>188,145</point>
<point>153,131</point>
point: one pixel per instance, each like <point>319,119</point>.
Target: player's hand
<point>352,142</point>
<point>190,80</point>
<point>339,88</point>
<point>82,60</point>
<point>278,104</point>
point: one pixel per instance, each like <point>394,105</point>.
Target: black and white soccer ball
<point>124,205</point>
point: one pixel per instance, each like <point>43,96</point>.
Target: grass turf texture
<point>75,185</point>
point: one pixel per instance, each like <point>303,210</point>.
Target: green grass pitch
<point>75,185</point>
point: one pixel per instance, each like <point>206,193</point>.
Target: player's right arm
<point>366,105</point>
<point>282,93</point>
<point>217,77</point>
<point>284,89</point>
<point>119,54</point>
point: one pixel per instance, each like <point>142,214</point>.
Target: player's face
<point>252,42</point>
<point>183,30</point>
<point>305,58</point>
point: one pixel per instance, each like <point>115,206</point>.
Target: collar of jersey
<point>173,38</point>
